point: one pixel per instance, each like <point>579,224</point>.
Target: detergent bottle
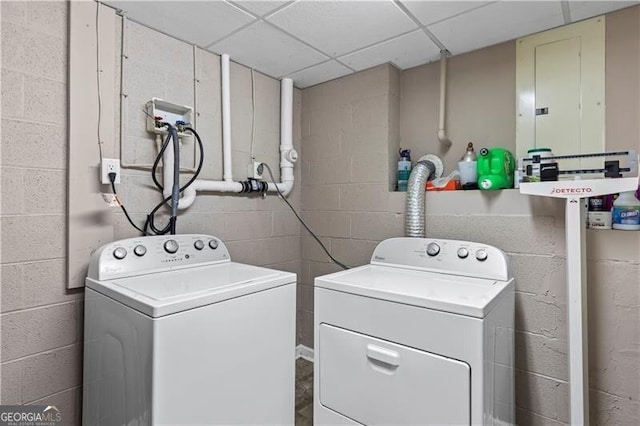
<point>404,169</point>
<point>626,212</point>
<point>495,169</point>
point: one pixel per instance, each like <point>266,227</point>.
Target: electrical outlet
<point>252,170</point>
<point>109,165</point>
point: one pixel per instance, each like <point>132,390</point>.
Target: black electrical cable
<point>112,178</point>
<point>150,217</point>
<point>315,237</point>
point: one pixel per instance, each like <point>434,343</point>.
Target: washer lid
<point>449,293</point>
<point>169,292</point>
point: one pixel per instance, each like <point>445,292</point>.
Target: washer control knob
<point>433,249</point>
<point>213,244</point>
<point>199,244</point>
<point>481,255</point>
<point>140,250</point>
<point>120,253</point>
<point>463,253</point>
<point>171,246</point>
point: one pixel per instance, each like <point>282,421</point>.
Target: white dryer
<point>178,334</point>
<point>423,335</point>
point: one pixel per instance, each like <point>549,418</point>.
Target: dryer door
<point>376,382</point>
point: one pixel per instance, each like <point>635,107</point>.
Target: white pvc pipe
<point>442,133</point>
<point>227,174</point>
<point>288,155</point>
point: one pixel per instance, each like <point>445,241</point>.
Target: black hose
<point>150,222</point>
<point>157,161</point>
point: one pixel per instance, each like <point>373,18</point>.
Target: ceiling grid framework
<point>313,41</point>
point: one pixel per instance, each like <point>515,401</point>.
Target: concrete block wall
<point>40,321</point>
<point>480,106</point>
<point>258,231</point>
<point>346,128</point>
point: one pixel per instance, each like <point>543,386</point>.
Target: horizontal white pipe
<point>189,194</point>
<point>442,133</point>
<point>285,187</point>
<point>227,174</point>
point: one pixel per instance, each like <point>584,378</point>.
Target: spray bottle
<point>404,169</point>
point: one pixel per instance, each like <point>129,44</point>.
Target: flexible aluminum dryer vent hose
<point>428,167</point>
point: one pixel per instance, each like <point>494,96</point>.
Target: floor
<point>304,392</point>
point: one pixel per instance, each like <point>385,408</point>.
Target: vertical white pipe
<point>442,133</point>
<point>287,154</point>
<point>575,214</point>
<point>227,174</point>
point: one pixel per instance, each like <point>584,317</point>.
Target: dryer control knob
<point>171,246</point>
<point>213,244</point>
<point>199,244</point>
<point>120,253</point>
<point>433,249</point>
<point>140,250</point>
<point>481,255</point>
<point>463,253</point>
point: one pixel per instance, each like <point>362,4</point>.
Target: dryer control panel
<point>444,256</point>
<point>145,255</point>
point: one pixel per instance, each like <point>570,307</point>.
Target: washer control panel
<point>444,256</point>
<point>143,255</point>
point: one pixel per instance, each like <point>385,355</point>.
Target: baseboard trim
<point>304,352</point>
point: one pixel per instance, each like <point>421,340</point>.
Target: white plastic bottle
<point>626,212</point>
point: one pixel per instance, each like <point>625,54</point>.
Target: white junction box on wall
<point>162,111</point>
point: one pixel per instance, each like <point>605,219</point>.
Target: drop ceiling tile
<point>406,51</point>
<point>496,23</point>
<point>428,12</point>
<point>199,22</point>
<point>319,74</point>
<point>580,10</point>
<point>340,27</point>
<point>268,49</point>
<point>259,8</point>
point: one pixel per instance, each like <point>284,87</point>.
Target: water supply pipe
<point>427,168</point>
<point>442,132</point>
<point>288,155</point>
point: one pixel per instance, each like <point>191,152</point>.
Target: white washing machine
<point>423,335</point>
<point>178,334</point>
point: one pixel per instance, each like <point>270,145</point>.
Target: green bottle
<point>495,169</point>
